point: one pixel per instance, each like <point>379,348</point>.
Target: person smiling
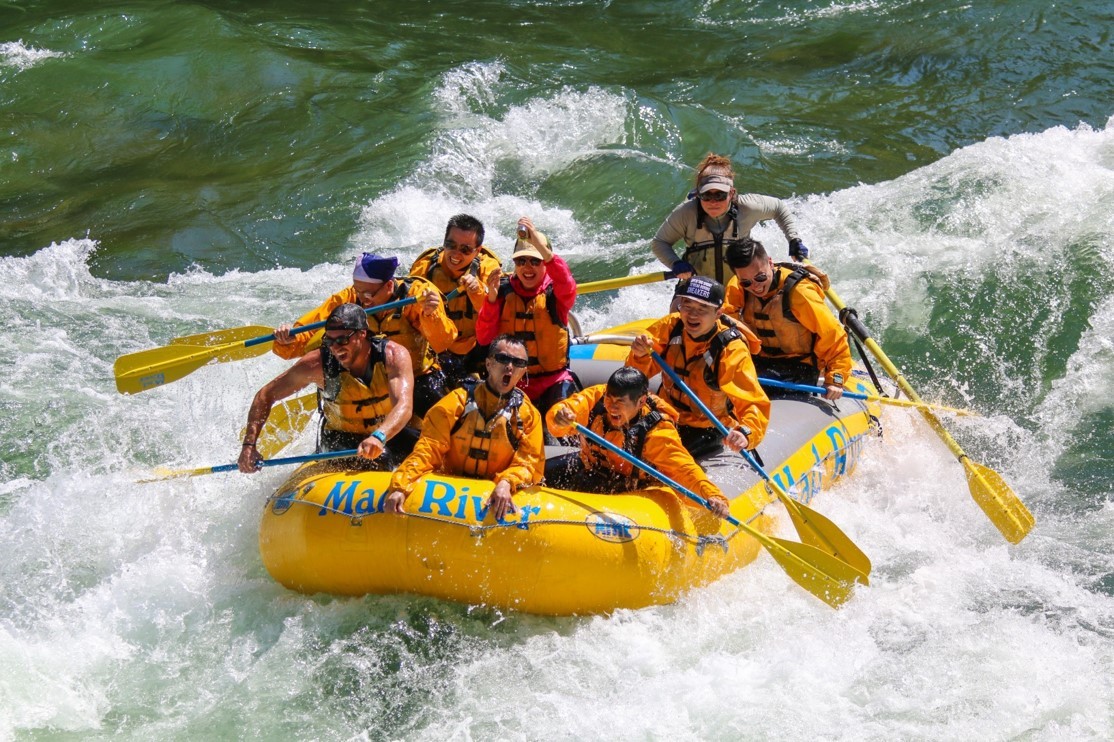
<point>422,328</point>
<point>784,303</point>
<point>488,430</point>
<point>367,388</point>
<point>642,424</point>
<point>714,216</point>
<point>713,355</point>
<point>534,305</point>
<point>461,262</point>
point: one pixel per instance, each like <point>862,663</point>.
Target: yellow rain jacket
<point>651,437</point>
<point>463,308</point>
<point>423,336</point>
<point>718,369</point>
<point>793,322</point>
<point>474,433</point>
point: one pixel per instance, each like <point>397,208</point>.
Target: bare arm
<point>306,371</point>
<point>400,382</point>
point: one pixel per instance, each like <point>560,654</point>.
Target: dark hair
<point>506,338</point>
<point>742,253</point>
<point>466,223</point>
<point>628,382</point>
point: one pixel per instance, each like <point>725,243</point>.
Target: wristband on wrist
<point>247,444</point>
<point>837,379</point>
<point>380,436</point>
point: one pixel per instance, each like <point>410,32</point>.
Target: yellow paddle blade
<point>826,577</point>
<point>1005,510</point>
<point>286,422</point>
<point>147,369</point>
<point>160,473</point>
<point>816,530</point>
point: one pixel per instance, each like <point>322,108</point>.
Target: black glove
<point>797,249</point>
<point>682,267</point>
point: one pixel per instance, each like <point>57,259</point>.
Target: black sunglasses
<point>462,249</point>
<point>342,340</point>
<point>716,196</point>
<point>505,358</point>
<point>760,278</point>
<point>523,261</point>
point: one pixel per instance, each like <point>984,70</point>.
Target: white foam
<point>15,54</point>
<point>143,609</point>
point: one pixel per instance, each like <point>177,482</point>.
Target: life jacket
<point>395,326</point>
<point>460,308</point>
<point>704,240</point>
<point>631,439</point>
<point>486,445</point>
<point>700,372</point>
<point>536,323</point>
<point>782,334</point>
<point>355,405</point>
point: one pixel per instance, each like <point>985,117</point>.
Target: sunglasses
<point>528,261</point>
<point>462,249</point>
<point>716,196</point>
<point>504,359</point>
<point>760,278</point>
<point>341,341</point>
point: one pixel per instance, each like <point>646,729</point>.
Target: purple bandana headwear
<point>374,268</point>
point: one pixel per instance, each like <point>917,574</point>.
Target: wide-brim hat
<point>523,249</point>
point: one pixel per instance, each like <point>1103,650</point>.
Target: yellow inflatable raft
<point>562,552</point>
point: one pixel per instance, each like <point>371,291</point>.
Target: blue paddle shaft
<point>648,469</point>
<point>779,384</point>
<point>290,460</point>
<point>665,367</point>
<point>315,325</point>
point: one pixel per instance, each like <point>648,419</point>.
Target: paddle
<point>812,527</point>
<point>1005,510</point>
<point>147,369</point>
<point>236,334</point>
<point>779,384</point>
<point>824,576</point>
<point>285,421</point>
<point>162,472</point>
<point>618,283</point>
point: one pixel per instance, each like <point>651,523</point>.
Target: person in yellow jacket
<point>488,430</point>
<point>422,328</point>
<point>367,387</point>
<point>462,263</point>
<point>623,412</point>
<point>712,355</point>
<point>784,304</point>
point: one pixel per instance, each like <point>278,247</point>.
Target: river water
<point>172,167</point>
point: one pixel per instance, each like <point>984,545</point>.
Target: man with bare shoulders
<point>367,393</point>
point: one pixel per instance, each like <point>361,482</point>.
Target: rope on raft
<point>479,529</point>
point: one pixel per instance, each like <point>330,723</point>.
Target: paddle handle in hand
<point>315,325</point>
<point>813,527</point>
<point>638,463</point>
